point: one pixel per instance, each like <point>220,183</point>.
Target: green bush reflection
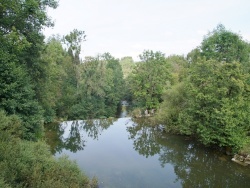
<point>194,164</point>
<point>74,140</point>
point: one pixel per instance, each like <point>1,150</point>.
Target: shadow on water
<point>194,164</point>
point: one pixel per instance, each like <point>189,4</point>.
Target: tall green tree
<point>149,80</point>
<point>224,45</point>
<point>58,92</point>
<point>218,104</point>
<point>73,42</point>
<point>116,91</point>
<point>127,64</point>
<point>92,89</point>
<point>27,19</point>
<point>178,68</point>
<point>21,23</point>
<point>194,55</point>
<point>174,98</point>
<point>17,96</point>
<point>100,88</point>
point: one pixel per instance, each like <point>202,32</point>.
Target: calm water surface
<point>130,153</point>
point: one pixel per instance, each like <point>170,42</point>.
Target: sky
<point>128,27</point>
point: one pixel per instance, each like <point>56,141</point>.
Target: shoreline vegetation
<point>204,94</point>
<point>26,163</point>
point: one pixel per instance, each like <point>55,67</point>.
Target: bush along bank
<point>30,164</point>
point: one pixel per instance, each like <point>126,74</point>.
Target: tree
<point>27,19</point>
<point>17,97</point>
<point>224,45</point>
<point>92,93</point>
<point>178,68</point>
<point>115,92</point>
<point>174,98</point>
<point>218,104</point>
<point>21,41</point>
<point>58,87</point>
<point>175,101</point>
<point>73,42</point>
<point>100,89</point>
<point>149,80</point>
<point>194,55</point>
<point>127,64</point>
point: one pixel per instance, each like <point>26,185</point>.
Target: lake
<point>127,152</point>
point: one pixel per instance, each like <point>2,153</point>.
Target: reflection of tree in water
<point>197,166</point>
<point>95,127</point>
<point>144,137</point>
<point>74,141</point>
<point>54,137</point>
<point>194,165</point>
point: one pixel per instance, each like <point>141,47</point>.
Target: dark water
<point>130,153</point>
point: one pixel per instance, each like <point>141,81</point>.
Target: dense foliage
<point>21,41</point>
<point>149,80</point>
<point>224,45</point>
<point>205,95</point>
<point>38,82</point>
<point>211,100</point>
<point>30,164</point>
<point>100,88</point>
<point>218,104</point>
<point>73,90</point>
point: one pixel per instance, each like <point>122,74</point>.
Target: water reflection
<point>74,141</point>
<point>94,128</point>
<point>70,135</point>
<point>194,164</point>
<point>149,158</point>
<point>145,137</point>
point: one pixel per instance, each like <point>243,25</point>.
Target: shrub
<point>30,164</point>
